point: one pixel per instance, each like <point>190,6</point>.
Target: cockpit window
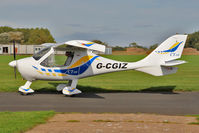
<point>41,53</point>
<point>58,60</point>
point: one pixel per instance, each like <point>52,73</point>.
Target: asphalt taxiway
<point>179,103</point>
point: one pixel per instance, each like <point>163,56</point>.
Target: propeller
<point>14,62</point>
<point>14,54</point>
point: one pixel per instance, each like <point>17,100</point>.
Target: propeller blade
<point>14,54</point>
<point>15,71</point>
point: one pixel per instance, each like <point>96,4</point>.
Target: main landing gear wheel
<point>69,89</point>
<point>71,92</point>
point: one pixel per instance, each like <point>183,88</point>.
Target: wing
<point>80,44</point>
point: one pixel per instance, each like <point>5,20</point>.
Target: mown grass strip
<point>104,121</point>
<point>195,123</point>
<point>17,122</point>
<point>73,121</point>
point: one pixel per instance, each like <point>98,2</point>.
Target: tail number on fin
<point>112,65</point>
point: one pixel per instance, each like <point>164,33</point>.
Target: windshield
<point>41,53</point>
<point>58,58</point>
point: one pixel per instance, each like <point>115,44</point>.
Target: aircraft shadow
<point>91,92</point>
<point>157,89</point>
<point>87,94</point>
<point>82,95</point>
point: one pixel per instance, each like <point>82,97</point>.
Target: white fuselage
<point>84,64</point>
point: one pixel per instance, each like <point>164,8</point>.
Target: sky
<point>117,22</point>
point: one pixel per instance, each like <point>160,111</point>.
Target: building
<point>32,49</point>
<point>108,51</point>
<point>20,49</point>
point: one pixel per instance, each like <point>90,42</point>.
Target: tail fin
<point>159,62</point>
<point>170,49</point>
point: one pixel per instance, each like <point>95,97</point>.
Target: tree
<point>30,35</point>
<point>134,44</point>
<point>16,36</point>
<point>4,38</point>
<point>100,42</point>
<point>197,46</point>
<point>11,36</point>
<point>193,40</point>
<point>154,46</point>
<point>39,36</point>
<point>5,29</point>
<point>118,48</point>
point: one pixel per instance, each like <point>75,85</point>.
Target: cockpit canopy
<point>55,56</point>
<point>61,54</point>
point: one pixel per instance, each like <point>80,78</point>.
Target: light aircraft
<point>82,63</point>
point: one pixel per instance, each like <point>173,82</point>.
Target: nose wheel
<point>25,90</point>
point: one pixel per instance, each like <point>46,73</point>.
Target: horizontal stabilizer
<point>158,70</point>
<point>173,63</point>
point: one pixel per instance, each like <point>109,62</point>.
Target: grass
<point>195,123</point>
<point>104,121</point>
<point>73,121</point>
<point>186,79</point>
<point>17,122</point>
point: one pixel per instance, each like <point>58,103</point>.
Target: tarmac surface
<point>179,103</point>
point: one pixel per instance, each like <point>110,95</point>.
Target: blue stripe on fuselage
<point>76,70</point>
